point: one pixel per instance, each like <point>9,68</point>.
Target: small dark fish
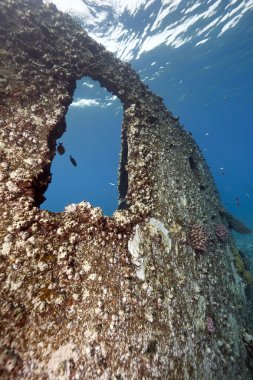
<point>237,201</point>
<point>60,149</point>
<point>73,160</point>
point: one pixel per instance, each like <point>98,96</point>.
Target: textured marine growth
<point>84,296</point>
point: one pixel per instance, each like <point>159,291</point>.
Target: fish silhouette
<point>73,161</point>
<point>60,149</point>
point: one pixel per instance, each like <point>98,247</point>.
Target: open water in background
<point>209,85</point>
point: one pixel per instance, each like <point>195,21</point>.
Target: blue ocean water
<point>209,85</point>
<point>93,140</point>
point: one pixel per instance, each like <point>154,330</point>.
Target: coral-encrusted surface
<point>85,296</point>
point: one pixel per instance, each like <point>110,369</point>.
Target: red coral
<point>221,232</point>
<point>198,237</point>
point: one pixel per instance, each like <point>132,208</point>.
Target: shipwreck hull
<point>151,292</point>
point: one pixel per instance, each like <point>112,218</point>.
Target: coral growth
<point>198,237</point>
<point>248,278</point>
<point>210,325</point>
<point>240,266</point>
<point>221,232</point>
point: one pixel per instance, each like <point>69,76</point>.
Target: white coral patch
<point>134,249</point>
<point>159,226</point>
<point>86,266</point>
<point>92,276</point>
<point>42,266</point>
<point>6,247</point>
<point>85,294</point>
<point>12,187</point>
<point>15,285</point>
<point>61,359</point>
<point>29,161</point>
<point>19,174</point>
<point>70,208</point>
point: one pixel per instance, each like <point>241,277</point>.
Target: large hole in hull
<point>88,169</point>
